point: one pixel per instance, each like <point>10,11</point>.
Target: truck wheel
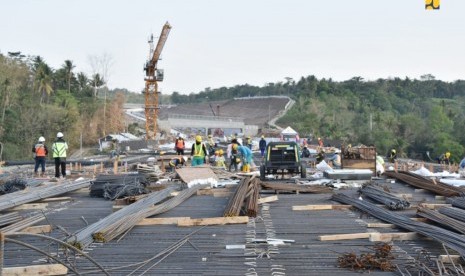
<point>303,171</point>
<point>262,172</point>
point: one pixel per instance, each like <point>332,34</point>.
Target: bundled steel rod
<point>391,201</point>
<point>444,220</point>
<point>421,182</point>
<point>252,204</point>
<point>117,186</point>
<point>453,212</point>
<point>18,226</point>
<point>448,238</point>
<point>315,189</point>
<point>457,202</point>
<point>112,231</point>
<point>237,199</point>
<point>84,237</point>
<point>37,193</point>
<point>9,218</point>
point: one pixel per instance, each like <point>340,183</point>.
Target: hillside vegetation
<point>37,100</point>
<point>410,115</point>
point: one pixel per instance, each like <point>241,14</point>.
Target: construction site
<point>141,207</point>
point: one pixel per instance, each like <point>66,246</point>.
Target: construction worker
<point>320,156</point>
<point>40,152</point>
<point>462,164</point>
<point>336,159</point>
<point>219,159</point>
<point>114,149</point>
<point>392,156</point>
<point>59,149</point>
<point>248,142</point>
<point>198,152</point>
<point>305,152</point>
<point>177,162</point>
<point>320,142</point>
<point>447,158</point>
<point>262,145</point>
<point>246,156</point>
<point>179,145</point>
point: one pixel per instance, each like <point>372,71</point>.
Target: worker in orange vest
<point>179,146</point>
<point>40,151</point>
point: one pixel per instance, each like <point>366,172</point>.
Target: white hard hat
<point>59,135</point>
<point>185,158</point>
<point>41,139</point>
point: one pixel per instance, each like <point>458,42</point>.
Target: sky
<point>216,43</point>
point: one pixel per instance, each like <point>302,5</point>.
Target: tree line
<point>420,118</point>
<point>38,100</point>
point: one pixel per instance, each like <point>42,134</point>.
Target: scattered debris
<point>381,259</point>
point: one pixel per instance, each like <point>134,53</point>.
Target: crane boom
<point>153,75</point>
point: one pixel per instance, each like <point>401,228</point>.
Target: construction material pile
<point>118,186</point>
<point>359,152</point>
<point>442,219</point>
<point>379,260</point>
<point>421,182</point>
<point>453,212</point>
<point>289,187</point>
<point>12,185</point>
<point>390,200</point>
<point>458,202</point>
<point>244,199</point>
<point>448,238</point>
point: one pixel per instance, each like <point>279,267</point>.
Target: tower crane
<point>153,75</point>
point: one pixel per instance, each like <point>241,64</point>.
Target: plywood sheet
<point>193,173</point>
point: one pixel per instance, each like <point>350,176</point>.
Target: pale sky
<point>215,43</point>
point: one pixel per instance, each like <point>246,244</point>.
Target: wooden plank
<point>54,199</point>
<point>319,207</point>
<point>407,196</point>
<point>192,173</point>
<point>387,237</point>
<point>31,206</point>
<point>267,199</point>
<point>448,259</point>
<point>339,237</point>
<point>213,221</point>
<point>380,225</point>
<point>161,221</point>
<point>209,191</point>
<point>434,205</point>
<point>50,269</point>
<point>39,229</point>
<point>222,194</point>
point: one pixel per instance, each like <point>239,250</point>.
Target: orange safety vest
<point>180,144</point>
<point>40,150</point>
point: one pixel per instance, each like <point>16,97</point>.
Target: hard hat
<point>393,151</point>
<point>447,154</point>
<point>263,136</point>
<point>198,138</point>
<point>248,137</point>
<point>234,146</point>
<point>185,158</point>
<point>41,139</point>
<point>216,152</point>
<point>209,136</point>
<point>220,152</point>
<point>319,138</point>
<point>59,135</point>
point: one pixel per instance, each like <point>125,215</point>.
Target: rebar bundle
<point>458,202</point>
<point>448,238</point>
<point>315,189</point>
<point>84,237</point>
<point>233,208</point>
<point>444,220</point>
<point>421,182</point>
<point>117,186</point>
<point>453,212</point>
<point>13,185</point>
<point>36,193</point>
<point>391,201</point>
<point>112,231</point>
<point>20,225</point>
<point>9,218</point>
<point>252,203</point>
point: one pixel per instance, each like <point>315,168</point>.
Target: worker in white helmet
<point>40,152</point>
<point>59,149</point>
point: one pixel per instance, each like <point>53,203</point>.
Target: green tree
<point>69,66</point>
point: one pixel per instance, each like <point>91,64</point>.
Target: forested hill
<point>413,116</point>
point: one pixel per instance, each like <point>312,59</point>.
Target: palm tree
<point>69,66</point>
<point>44,82</point>
<point>97,82</point>
<point>82,80</point>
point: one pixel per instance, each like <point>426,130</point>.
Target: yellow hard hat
<point>447,154</point>
<point>209,136</point>
<point>198,138</point>
<point>220,152</point>
<point>234,146</point>
<point>216,152</point>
